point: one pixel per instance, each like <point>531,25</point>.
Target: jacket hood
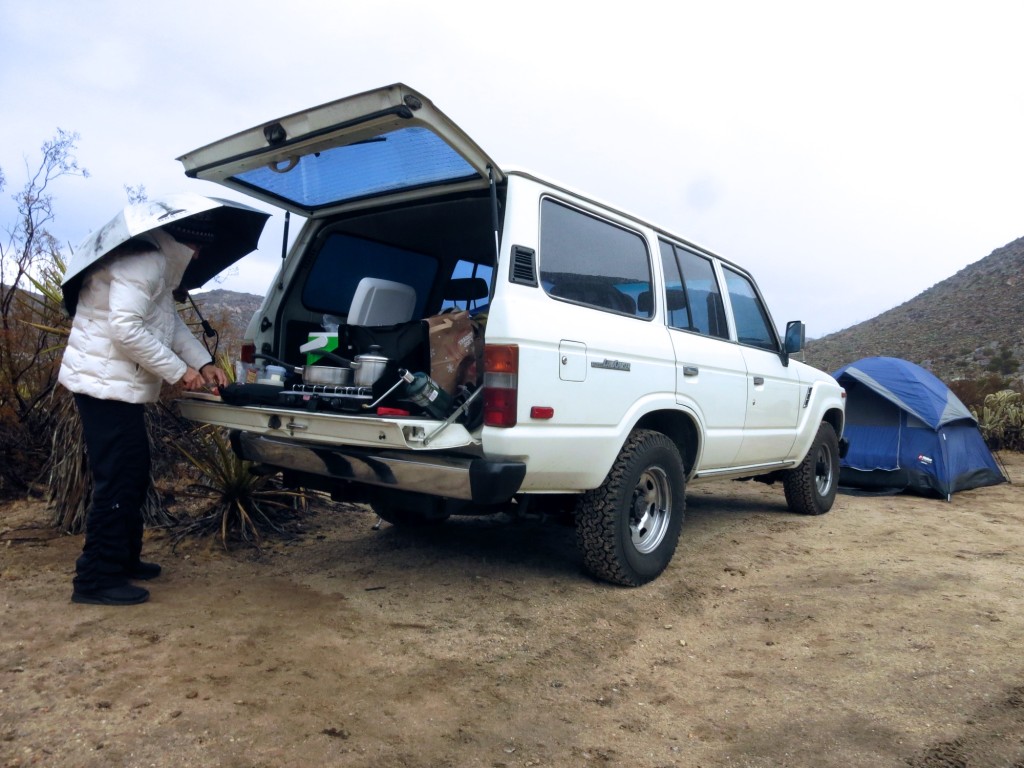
<point>178,255</point>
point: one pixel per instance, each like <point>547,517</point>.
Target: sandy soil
<point>885,633</point>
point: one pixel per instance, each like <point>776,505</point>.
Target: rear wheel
<point>811,487</point>
<point>628,528</point>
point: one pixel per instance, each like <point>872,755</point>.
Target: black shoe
<point>125,594</point>
<point>143,571</point>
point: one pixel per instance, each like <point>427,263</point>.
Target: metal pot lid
<point>373,356</point>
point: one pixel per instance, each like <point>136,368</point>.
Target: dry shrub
<point>972,392</point>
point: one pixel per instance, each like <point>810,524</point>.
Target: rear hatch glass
<point>386,145</point>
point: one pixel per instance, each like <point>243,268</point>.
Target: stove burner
<point>328,390</point>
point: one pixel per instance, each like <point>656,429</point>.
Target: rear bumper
<point>457,477</point>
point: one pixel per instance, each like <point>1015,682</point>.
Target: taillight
<point>501,384</point>
<point>247,354</point>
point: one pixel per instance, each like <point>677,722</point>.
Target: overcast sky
<point>850,155</point>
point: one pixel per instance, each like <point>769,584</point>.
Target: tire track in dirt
<point>994,739</point>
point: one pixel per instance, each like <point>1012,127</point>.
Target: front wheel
<point>628,528</point>
<point>811,486</point>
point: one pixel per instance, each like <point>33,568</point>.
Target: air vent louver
<point>523,269</point>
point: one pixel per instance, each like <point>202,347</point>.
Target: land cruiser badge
<point>611,365</point>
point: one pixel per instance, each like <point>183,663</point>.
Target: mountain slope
<point>963,327</point>
<point>231,307</point>
<point>229,313</point>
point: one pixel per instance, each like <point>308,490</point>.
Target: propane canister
<point>427,394</point>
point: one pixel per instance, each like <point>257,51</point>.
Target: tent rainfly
<point>908,431</point>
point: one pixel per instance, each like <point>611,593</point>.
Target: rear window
<point>404,159</point>
<point>590,261</point>
<point>344,260</point>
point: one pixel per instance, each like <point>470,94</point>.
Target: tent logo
<point>926,460</point>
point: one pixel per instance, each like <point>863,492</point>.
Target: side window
<point>590,261</point>
<point>675,294</point>
<point>703,294</point>
<point>694,300</point>
<point>753,326</point>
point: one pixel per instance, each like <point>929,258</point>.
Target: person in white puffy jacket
<point>126,340</point>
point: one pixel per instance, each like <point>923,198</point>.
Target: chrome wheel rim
<point>651,510</point>
<point>823,473</point>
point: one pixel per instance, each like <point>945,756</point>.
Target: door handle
<point>690,370</point>
<point>758,381</point>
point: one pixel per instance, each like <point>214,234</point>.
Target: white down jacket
<point>127,338</point>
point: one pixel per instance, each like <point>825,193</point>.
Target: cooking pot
<point>369,367</point>
<point>365,369</point>
<point>320,375</point>
<point>327,375</point>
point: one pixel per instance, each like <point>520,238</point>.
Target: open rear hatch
<point>386,145</point>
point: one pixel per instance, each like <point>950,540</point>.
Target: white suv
<point>504,342</point>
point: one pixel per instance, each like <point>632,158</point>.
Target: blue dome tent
<point>908,431</point>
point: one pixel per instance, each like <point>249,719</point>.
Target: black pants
<point>118,449</point>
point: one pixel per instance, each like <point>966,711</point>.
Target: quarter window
<point>590,261</point>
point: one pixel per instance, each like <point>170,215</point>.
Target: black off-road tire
<point>409,510</point>
<point>628,528</point>
<point>811,487</point>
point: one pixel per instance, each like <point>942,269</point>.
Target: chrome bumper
<point>457,477</point>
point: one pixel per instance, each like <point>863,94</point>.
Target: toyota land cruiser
<point>513,342</point>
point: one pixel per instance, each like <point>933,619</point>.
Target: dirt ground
<point>886,633</point>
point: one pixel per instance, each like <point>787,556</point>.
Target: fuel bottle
<point>427,394</point>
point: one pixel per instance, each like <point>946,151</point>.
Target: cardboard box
<point>453,350</point>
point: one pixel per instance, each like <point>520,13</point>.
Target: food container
<point>319,344</point>
<point>276,373</point>
<point>246,373</point>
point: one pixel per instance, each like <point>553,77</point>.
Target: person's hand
<point>193,381</point>
<point>215,376</point>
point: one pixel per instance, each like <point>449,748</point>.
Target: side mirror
<point>794,336</point>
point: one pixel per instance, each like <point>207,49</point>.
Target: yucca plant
<point>240,505</point>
